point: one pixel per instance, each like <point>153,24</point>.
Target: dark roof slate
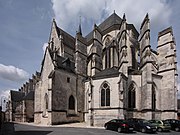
<point>112,20</point>
<point>111,23</point>
<point>17,96</point>
<point>68,40</point>
<point>107,73</point>
<point>65,63</point>
<point>29,96</point>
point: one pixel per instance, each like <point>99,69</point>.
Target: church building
<point>112,72</point>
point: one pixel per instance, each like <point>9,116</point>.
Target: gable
<point>111,23</point>
<point>47,65</point>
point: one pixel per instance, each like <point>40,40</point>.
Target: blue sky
<point>25,27</point>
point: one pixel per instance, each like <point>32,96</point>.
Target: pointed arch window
<point>105,95</point>
<point>46,101</point>
<point>107,41</point>
<point>131,97</point>
<point>45,106</point>
<point>71,103</point>
<point>153,98</point>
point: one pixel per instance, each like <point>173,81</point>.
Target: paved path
<point>81,125</point>
<point>9,128</point>
<point>64,129</point>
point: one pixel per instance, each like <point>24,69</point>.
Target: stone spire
<point>79,29</point>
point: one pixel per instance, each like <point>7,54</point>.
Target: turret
<point>146,64</point>
<point>166,49</point>
<point>80,53</point>
<point>168,69</point>
<point>144,40</point>
<point>122,41</point>
<point>94,58</point>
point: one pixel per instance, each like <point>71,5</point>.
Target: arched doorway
<point>71,103</point>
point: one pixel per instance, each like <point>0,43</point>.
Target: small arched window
<point>131,96</point>
<point>107,41</point>
<point>105,95</point>
<point>71,103</point>
<point>45,106</point>
<point>46,100</point>
<point>153,98</point>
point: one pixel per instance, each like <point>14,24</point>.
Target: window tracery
<point>131,96</point>
<point>105,95</point>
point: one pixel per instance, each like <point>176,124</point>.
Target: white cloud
<point>13,73</point>
<point>158,10</point>
<point>4,94</point>
<point>67,12</point>
<point>44,47</point>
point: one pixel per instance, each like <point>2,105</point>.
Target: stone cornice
<point>166,70</point>
<point>165,43</point>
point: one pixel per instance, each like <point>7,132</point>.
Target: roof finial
<point>147,16</point>
<point>79,30</point>
<point>114,11</point>
<point>124,17</point>
<point>54,19</point>
<point>95,26</point>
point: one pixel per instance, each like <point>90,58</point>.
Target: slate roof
<point>16,96</point>
<point>107,73</point>
<point>65,63</point>
<point>111,23</point>
<point>112,20</point>
<point>29,96</point>
<point>68,40</point>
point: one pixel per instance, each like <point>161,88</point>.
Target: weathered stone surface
<point>111,73</point>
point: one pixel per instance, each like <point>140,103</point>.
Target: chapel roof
<point>16,96</point>
<point>112,20</point>
<point>68,40</point>
<point>65,63</point>
<point>111,23</point>
<point>106,73</point>
<point>29,96</point>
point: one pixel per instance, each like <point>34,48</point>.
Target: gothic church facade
<point>110,73</point>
